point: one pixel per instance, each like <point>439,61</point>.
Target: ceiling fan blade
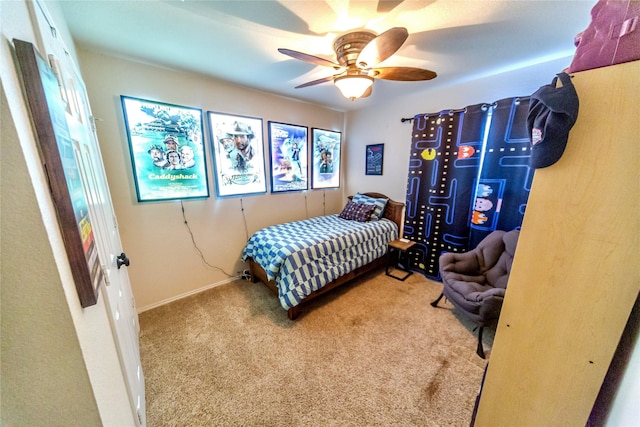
<point>382,47</point>
<point>309,58</point>
<point>409,74</point>
<point>385,6</point>
<point>367,92</point>
<point>316,82</point>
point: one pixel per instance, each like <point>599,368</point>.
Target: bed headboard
<point>393,211</point>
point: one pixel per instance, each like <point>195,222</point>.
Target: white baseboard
<point>187,294</point>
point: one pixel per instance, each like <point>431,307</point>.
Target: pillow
<point>357,211</point>
<point>379,204</point>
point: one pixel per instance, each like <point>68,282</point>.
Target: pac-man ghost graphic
<point>466,151</point>
<point>484,190</point>
<point>478,218</point>
<point>483,204</point>
<point>429,154</point>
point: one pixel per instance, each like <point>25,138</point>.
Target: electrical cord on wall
<point>245,274</point>
<point>195,245</point>
<point>244,219</point>
<point>324,202</point>
<point>306,207</point>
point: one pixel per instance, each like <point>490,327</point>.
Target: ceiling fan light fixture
<point>358,53</point>
<point>353,87</point>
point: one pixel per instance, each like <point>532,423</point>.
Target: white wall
<point>624,404</point>
<point>624,411</point>
<point>164,263</point>
<point>41,354</point>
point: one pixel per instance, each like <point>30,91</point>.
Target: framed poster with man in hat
<point>167,150</point>
<point>238,156</point>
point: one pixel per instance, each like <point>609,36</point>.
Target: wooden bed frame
<point>393,211</point>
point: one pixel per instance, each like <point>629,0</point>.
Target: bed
<point>301,260</point>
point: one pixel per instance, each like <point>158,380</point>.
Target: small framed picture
<point>374,159</point>
<point>325,158</point>
<point>167,150</point>
<point>288,146</point>
<point>238,154</point>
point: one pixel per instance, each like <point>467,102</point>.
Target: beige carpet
<point>370,353</point>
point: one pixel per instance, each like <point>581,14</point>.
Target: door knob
<point>122,260</point>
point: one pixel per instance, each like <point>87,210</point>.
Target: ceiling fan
<point>358,53</point>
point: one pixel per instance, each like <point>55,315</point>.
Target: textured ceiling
<point>237,41</point>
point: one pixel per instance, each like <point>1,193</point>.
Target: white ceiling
<point>237,41</point>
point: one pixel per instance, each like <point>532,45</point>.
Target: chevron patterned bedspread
<point>303,256</point>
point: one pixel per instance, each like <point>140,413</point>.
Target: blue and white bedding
<point>303,256</point>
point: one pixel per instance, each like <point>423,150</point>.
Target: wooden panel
<point>575,275</point>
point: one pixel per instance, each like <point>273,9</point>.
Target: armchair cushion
<point>475,281</point>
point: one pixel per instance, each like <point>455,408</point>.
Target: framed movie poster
<point>325,158</point>
<point>167,150</point>
<point>375,157</point>
<point>61,152</point>
<point>238,154</point>
<point>288,146</point>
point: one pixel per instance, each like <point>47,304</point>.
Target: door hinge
<point>105,274</point>
<point>93,119</point>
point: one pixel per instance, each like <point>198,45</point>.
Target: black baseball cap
<point>552,113</point>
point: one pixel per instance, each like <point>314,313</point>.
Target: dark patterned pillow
<point>357,211</point>
<point>379,204</point>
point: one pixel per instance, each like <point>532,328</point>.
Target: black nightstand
<point>400,246</point>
